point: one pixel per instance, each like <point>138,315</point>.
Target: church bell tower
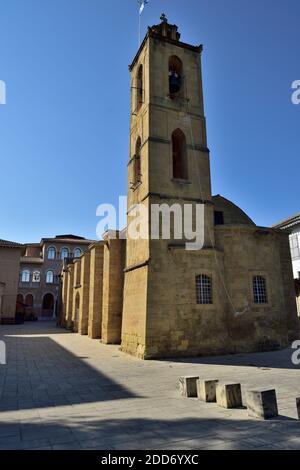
<point>168,164</point>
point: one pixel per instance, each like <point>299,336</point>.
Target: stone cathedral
<point>153,296</point>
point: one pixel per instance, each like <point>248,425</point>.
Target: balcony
<point>37,285</point>
<point>29,285</point>
<point>31,260</point>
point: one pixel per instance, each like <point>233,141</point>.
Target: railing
<point>31,285</point>
<point>36,285</point>
<point>40,260</point>
<point>58,257</point>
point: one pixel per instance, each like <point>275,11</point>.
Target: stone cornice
<point>151,34</point>
<point>137,266</point>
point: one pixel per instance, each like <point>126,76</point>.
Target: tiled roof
<point>8,244</point>
<point>69,237</point>
<point>289,222</point>
<point>73,241</point>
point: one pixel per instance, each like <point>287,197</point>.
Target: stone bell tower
<point>168,164</point>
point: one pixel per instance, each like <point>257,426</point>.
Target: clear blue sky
<point>66,120</point>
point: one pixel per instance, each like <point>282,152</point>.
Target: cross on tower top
<point>165,29</point>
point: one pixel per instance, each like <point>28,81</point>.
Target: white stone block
<point>229,395</point>
<point>188,386</point>
<point>262,403</point>
<point>207,390</point>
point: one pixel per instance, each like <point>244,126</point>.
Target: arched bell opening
<point>175,77</point>
<point>139,88</point>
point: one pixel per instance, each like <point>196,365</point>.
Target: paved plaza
<point>64,391</point>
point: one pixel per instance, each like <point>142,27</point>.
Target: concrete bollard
<point>229,395</point>
<point>298,407</point>
<point>262,403</point>
<point>207,390</point>
<point>188,386</point>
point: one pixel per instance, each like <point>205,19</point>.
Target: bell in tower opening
<point>175,76</point>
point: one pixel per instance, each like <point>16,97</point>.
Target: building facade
<point>155,297</point>
<point>10,254</point>
<point>291,226</point>
<point>39,273</point>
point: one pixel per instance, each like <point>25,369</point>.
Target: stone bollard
<point>229,395</point>
<point>188,386</point>
<point>207,390</point>
<point>298,406</point>
<point>262,403</point>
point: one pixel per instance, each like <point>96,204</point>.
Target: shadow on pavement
<point>147,434</point>
<point>41,373</point>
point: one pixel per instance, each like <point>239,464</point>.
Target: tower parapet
<point>165,29</point>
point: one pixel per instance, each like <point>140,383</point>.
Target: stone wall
<point>69,280</point>
<point>9,276</point>
<point>134,311</point>
<point>173,324</point>
<point>84,294</point>
<point>96,288</point>
<point>77,295</point>
<point>113,281</point>
<point>92,292</point>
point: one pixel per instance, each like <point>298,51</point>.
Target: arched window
<point>179,155</point>
<point>137,162</point>
<point>36,276</point>
<point>51,253</point>
<point>77,253</point>
<point>25,276</point>
<point>260,290</point>
<point>49,277</point>
<point>64,253</point>
<point>139,88</point>
<point>204,290</point>
<point>20,299</point>
<point>29,300</point>
<point>175,76</point>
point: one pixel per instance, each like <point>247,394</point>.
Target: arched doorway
<point>48,305</point>
<point>29,306</point>
<point>29,300</point>
<point>20,305</point>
